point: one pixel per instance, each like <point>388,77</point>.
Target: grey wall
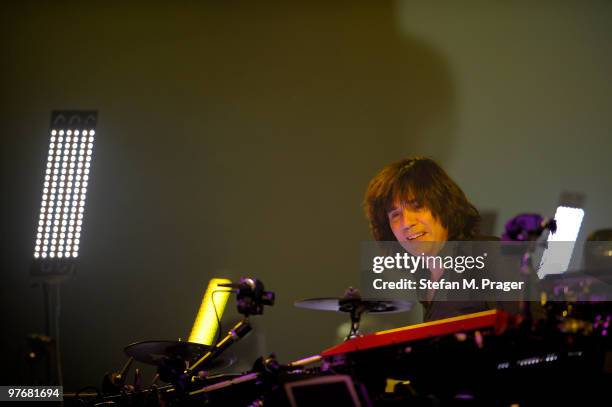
<point>532,101</point>
<point>238,139</point>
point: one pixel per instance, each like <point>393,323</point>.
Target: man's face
<point>412,224</point>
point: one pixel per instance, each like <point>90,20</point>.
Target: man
<point>414,202</point>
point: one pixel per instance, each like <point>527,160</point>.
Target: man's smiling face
<point>412,223</point>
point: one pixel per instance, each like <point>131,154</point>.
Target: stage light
<point>67,129</point>
<point>557,256</point>
<point>212,307</point>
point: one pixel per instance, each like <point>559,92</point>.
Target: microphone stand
<point>527,227</point>
<point>234,335</point>
<point>527,271</point>
<point>251,299</point>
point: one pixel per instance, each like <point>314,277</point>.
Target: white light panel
<point>64,193</point>
<point>557,256</point>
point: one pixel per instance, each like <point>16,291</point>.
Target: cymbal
<point>160,352</point>
<point>349,304</point>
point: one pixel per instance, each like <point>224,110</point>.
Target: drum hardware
<point>173,357</point>
<point>262,385</point>
<point>352,303</point>
<point>152,396</point>
<point>527,227</point>
<point>158,352</point>
<point>187,364</point>
<point>267,373</point>
<point>264,368</point>
<point>250,299</point>
<point>305,361</point>
<point>431,357</point>
<point>247,377</point>
<point>238,332</point>
<point>114,382</point>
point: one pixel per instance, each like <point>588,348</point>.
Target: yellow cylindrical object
<point>205,325</point>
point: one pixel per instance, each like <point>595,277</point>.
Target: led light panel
<point>64,193</point>
<point>556,258</point>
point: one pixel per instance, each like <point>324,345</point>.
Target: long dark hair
<point>423,180</point>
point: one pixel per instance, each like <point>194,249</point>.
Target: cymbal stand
<point>355,308</point>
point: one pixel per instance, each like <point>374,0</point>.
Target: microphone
<point>245,283</point>
<point>251,296</point>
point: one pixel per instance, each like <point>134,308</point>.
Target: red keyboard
<point>470,322</point>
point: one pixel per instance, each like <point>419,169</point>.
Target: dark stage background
<point>237,138</point>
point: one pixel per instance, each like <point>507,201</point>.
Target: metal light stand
<point>50,274</point>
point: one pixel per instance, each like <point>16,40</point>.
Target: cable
<point>217,314</point>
